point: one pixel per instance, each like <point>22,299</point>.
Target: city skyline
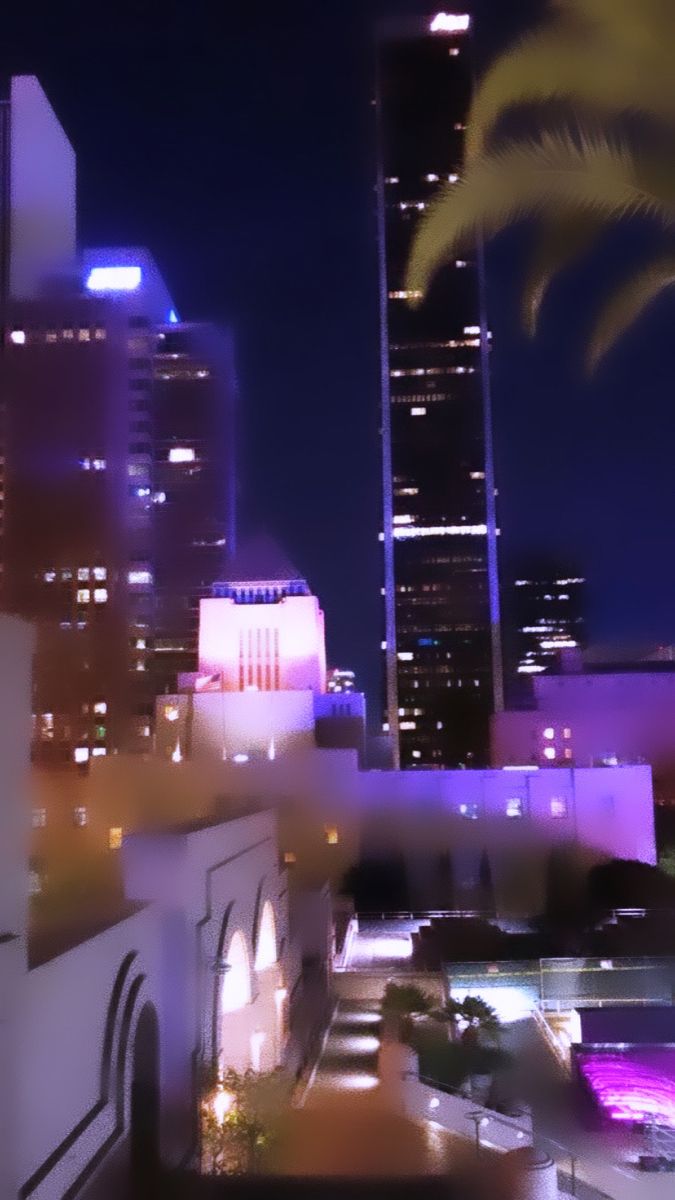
<point>257,232</point>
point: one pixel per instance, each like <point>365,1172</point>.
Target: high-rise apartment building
<point>116,471</point>
<point>439,528</point>
<point>194,392</point>
<point>78,550</point>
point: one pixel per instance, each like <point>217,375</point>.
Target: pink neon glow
<point>630,1090</point>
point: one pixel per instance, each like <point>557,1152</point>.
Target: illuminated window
<point>98,751</point>
<point>34,881</point>
<point>141,644</point>
<point>514,806</point>
<point>181,454</point>
<point>83,595</point>
<point>236,991</point>
<point>145,731</point>
<point>115,837</point>
<point>567,732</point>
<point>405,655</point>
<point>549,753</point>
<point>101,707</point>
<point>171,712</point>
<point>289,857</point>
<point>140,665</point>
<point>49,576</point>
<point>83,335</point>
<point>81,754</point>
<point>549,733</point>
<point>418,411</point>
<point>39,818</point>
<point>140,576</point>
<point>80,816</point>
<point>100,573</point>
<point>18,337</point>
<point>567,752</point>
<point>332,836</point>
<point>51,335</point>
<point>100,595</point>
<point>558,807</point>
<point>83,574</point>
<point>469,811</point>
<point>408,725</point>
<point>266,948</point>
<point>99,334</point>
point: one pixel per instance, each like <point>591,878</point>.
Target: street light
<point>479,1119</point>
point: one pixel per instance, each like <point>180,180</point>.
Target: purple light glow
<point>628,1088</point>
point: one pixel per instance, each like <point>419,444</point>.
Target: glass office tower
<point>443,665</point>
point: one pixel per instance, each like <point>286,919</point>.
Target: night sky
<point>235,141</point>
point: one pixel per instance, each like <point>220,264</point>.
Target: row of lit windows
<point>332,836</point>
<point>19,337</point>
<point>401,373</point>
<point>82,574</point>
<point>515,807</point>
<point>80,819</point>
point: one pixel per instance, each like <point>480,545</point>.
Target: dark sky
<point>234,140</point>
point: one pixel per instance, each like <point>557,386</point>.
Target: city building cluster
<point>199,820</point>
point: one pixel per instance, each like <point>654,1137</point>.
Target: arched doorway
<point>144,1121</point>
<point>266,946</point>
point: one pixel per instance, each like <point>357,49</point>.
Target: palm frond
<point>585,67</point>
<point>627,305</point>
<point>557,174</point>
<point>562,240</point>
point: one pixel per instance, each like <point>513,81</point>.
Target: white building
<point>102,1032</point>
<point>605,715</point>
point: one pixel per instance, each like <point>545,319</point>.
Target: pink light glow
<point>630,1090</point>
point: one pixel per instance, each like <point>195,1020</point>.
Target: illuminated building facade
<point>194,484</point>
<point>77,556</point>
<point>546,618</point>
<point>439,527</point>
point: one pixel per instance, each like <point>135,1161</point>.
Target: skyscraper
<point>77,553</point>
<point>443,664</point>
<point>194,484</point>
<point>545,618</point>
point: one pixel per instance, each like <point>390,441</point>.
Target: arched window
<point>237,981</point>
<point>266,949</point>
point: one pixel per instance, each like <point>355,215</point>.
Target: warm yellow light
<point>289,857</point>
<point>171,712</point>
<point>115,837</point>
<point>222,1103</point>
<point>332,836</point>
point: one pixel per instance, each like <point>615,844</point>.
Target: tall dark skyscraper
<point>544,619</point>
<point>194,481</point>
<point>443,665</point>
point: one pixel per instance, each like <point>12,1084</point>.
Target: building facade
<point>106,1024</point>
<point>544,619</point>
<point>608,714</point>
<point>78,547</point>
<point>439,527</point>
<point>194,391</point>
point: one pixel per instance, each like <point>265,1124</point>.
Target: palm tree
<point>478,1016</point>
<point>600,58</point>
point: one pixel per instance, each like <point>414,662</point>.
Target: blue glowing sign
<point>114,279</point>
<point>173,317</point>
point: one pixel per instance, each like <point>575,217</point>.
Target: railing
<point>424,914</point>
<point>554,1044</point>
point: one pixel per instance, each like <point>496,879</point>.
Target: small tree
<point>404,1000</point>
<point>239,1131</point>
